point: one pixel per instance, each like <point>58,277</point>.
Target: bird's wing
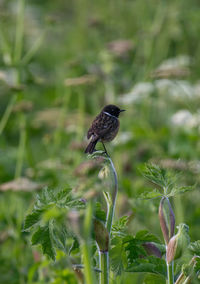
<point>101,125</point>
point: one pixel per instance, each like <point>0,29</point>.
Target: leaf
<point>133,249</point>
<point>59,236</point>
<point>43,237</point>
<point>150,264</point>
<point>158,175</point>
<point>150,195</point>
<point>33,218</point>
<point>75,246</point>
<point>146,236</point>
<point>154,279</point>
<point>120,225</point>
<point>180,190</point>
<point>195,248</point>
<point>117,256</point>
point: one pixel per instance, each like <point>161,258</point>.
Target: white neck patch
<point>109,114</point>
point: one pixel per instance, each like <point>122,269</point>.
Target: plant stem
<point>21,148</point>
<point>7,113</point>
<point>104,275</point>
<point>110,201</point>
<point>170,273</point>
<point>19,31</point>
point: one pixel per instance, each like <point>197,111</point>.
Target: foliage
<point>60,63</point>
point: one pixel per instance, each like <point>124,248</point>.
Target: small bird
<point>104,128</point>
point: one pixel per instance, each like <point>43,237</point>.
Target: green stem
<point>88,272</point>
<point>104,275</point>
<point>7,113</point>
<point>111,200</point>
<point>170,273</point>
<point>19,31</point>
<point>21,148</point>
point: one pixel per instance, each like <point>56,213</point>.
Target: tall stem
<point>104,275</point>
<point>110,201</point>
<point>170,273</point>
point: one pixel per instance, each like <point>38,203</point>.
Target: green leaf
<point>150,264</point>
<point>33,218</point>
<point>159,176</point>
<point>43,237</point>
<point>59,236</point>
<point>195,248</point>
<point>75,246</point>
<point>180,190</point>
<point>120,225</point>
<point>154,279</point>
<point>146,236</point>
<point>150,195</point>
<point>117,256</point>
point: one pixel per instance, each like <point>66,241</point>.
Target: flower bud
<point>152,248</point>
<point>167,219</point>
<point>101,235</point>
<point>178,243</point>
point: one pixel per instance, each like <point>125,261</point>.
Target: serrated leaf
<point>150,195</point>
<point>180,190</point>
<point>146,236</point>
<point>60,195</point>
<point>120,225</point>
<point>59,236</point>
<point>154,279</point>
<point>150,264</point>
<point>33,218</point>
<point>195,248</point>
<point>43,237</point>
<point>158,175</point>
<point>117,256</point>
<point>75,246</point>
<point>133,248</point>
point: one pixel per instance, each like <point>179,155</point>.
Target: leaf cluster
<point>48,220</point>
<point>165,180</point>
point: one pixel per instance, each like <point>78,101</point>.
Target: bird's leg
<point>105,149</point>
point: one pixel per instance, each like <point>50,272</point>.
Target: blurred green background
<point>60,63</point>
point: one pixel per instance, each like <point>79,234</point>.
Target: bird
<point>104,127</point>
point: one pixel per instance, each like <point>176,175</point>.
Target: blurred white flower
<point>179,61</point>
<point>197,89</point>
<point>139,92</point>
<point>174,88</point>
<point>173,67</point>
<point>184,118</point>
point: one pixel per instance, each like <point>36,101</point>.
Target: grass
<point>43,120</point>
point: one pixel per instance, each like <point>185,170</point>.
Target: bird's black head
<point>113,110</point>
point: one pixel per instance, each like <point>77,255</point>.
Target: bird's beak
<point>121,110</point>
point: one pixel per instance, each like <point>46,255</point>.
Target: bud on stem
<point>178,243</point>
<point>167,219</point>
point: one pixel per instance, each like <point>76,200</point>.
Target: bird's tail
<point>91,147</point>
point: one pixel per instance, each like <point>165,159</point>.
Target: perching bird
<point>104,128</point>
